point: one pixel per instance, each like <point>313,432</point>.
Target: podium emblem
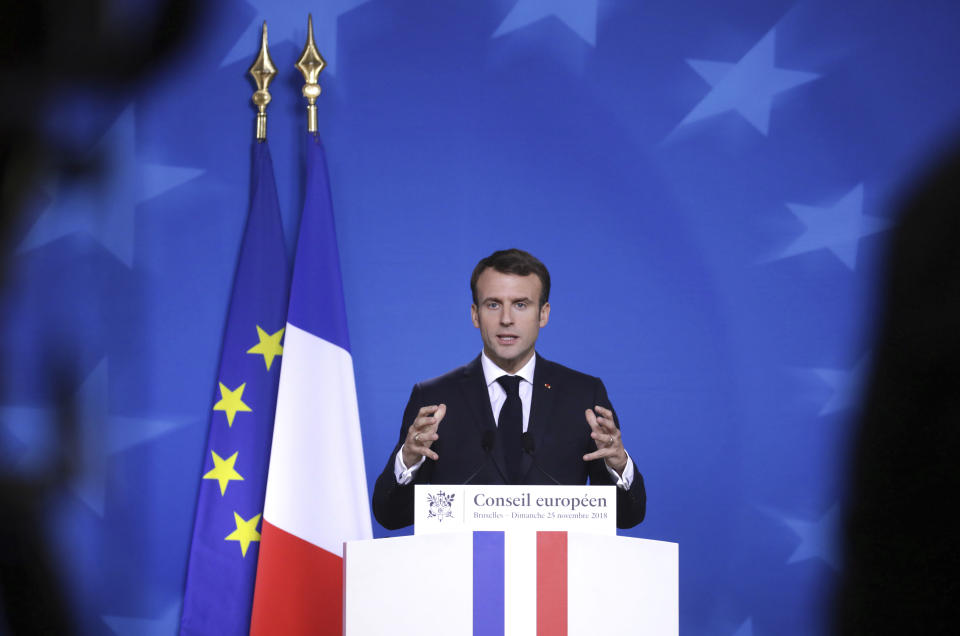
<point>441,506</point>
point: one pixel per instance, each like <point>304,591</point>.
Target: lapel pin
<point>546,385</point>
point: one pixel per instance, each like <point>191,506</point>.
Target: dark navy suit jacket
<point>557,423</point>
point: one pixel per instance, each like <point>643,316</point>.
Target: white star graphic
<point>289,24</point>
<point>838,227</point>
<point>33,428</point>
<point>817,538</point>
<point>846,385</point>
<point>579,15</point>
<point>100,434</point>
<point>106,209</point>
<point>747,87</point>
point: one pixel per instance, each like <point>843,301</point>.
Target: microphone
<point>526,439</point>
<point>487,445</point>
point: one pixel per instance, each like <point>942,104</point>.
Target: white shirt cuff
<point>623,481</point>
<point>405,475</point>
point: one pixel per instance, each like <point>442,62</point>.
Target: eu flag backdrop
<point>711,184</point>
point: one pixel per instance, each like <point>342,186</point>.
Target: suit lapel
<point>541,408</point>
<point>474,388</point>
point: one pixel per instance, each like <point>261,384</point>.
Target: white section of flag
<point>520,583</point>
<point>317,485</point>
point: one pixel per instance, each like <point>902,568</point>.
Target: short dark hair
<point>513,261</point>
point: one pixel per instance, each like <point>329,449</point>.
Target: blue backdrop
<point>711,185</point>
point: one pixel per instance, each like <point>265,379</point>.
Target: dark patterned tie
<point>510,425</point>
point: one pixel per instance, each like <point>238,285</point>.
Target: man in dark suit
<point>509,416</point>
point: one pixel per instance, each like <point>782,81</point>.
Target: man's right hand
<point>422,434</point>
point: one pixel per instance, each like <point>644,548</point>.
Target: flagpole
<point>310,64</point>
<point>263,71</point>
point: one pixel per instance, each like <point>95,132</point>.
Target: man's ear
<point>475,316</point>
<point>544,314</point>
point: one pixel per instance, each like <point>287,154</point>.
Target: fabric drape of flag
<point>223,554</point>
<point>316,490</point>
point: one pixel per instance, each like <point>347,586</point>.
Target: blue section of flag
<point>488,583</point>
<point>220,576</point>
<point>316,298</point>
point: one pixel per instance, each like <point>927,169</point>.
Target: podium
<point>527,577</point>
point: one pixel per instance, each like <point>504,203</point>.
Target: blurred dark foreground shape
<point>901,538</point>
<point>50,51</point>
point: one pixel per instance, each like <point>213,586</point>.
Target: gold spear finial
<point>263,72</point>
<point>310,64</point>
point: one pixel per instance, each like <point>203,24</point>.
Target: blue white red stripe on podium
<point>521,575</point>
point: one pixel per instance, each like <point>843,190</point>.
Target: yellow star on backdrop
<point>223,471</point>
<point>231,402</point>
<point>245,533</point>
<point>269,345</point>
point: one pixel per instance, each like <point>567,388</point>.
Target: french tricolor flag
<point>316,494</point>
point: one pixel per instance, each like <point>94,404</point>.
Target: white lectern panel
<point>409,585</point>
<point>641,574</point>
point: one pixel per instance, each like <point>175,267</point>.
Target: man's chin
<point>509,360</point>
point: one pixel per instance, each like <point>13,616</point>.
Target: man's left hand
<point>605,433</point>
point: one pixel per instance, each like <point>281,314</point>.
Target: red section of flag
<point>299,587</point>
<point>551,583</point>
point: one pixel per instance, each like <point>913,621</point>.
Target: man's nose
<point>506,316</point>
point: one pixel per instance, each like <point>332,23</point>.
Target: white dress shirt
<point>498,396</point>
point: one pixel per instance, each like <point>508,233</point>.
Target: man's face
<point>509,317</point>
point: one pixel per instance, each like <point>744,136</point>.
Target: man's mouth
<point>506,339</point>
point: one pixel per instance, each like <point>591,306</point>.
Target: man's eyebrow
<point>518,299</point>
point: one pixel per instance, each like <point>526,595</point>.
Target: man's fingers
<point>427,413</point>
<point>602,452</point>
<point>605,418</point>
<point>422,443</point>
<point>607,428</point>
<point>592,419</point>
<point>423,431</point>
<point>604,439</point>
<point>604,412</point>
<point>423,425</point>
<point>419,449</point>
<point>606,434</point>
<point>599,416</point>
<point>422,437</point>
<point>429,417</point>
<point>605,448</point>
<point>603,429</point>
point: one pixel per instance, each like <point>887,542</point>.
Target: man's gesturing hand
<point>422,434</point>
<point>605,433</point>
